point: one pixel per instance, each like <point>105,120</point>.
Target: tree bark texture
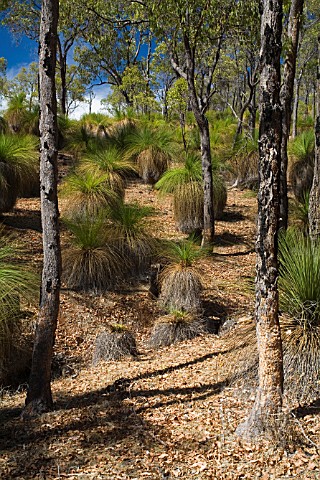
<point>286,95</point>
<point>314,201</point>
<point>39,396</point>
<point>269,394</point>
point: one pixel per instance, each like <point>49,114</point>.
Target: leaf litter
<point>167,413</point>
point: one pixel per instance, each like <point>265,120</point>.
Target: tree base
<point>35,408</point>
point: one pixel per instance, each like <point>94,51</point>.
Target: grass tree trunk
<point>286,96</point>
<point>268,400</point>
<point>314,201</point>
<point>39,396</point>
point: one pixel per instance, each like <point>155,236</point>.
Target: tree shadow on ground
<point>311,409</point>
<point>232,217</point>
<point>23,219</point>
<point>228,239</point>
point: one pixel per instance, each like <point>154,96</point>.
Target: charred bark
<point>268,400</point>
<point>39,396</point>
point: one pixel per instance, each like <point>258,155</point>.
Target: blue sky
<point>18,53</point>
<point>21,52</point>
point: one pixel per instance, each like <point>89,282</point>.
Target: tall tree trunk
<point>314,201</point>
<point>208,209</point>
<point>269,394</point>
<point>295,109</point>
<point>286,96</point>
<point>203,125</point>
<point>62,57</point>
<point>39,396</point>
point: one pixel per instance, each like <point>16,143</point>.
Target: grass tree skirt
<point>114,345</point>
<point>175,327</point>
<point>180,289</point>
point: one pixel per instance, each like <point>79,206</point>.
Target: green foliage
<point>299,287</point>
<point>302,147</point>
<point>152,149</point>
<point>185,183</point>
<point>90,264</point>
<point>19,167</point>
<point>300,212</point>
<point>178,96</point>
<point>111,162</point>
<point>87,192</point>
<point>183,254</point>
<point>18,287</point>
<point>127,233</point>
<point>243,160</point>
<point>107,247</point>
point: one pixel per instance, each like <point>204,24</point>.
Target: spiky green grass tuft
<point>299,286</point>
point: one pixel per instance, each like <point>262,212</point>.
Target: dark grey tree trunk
<point>314,201</point>
<point>63,76</point>
<point>286,96</point>
<point>203,125</point>
<point>268,400</point>
<point>39,396</point>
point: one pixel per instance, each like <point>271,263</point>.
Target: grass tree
<point>301,150</point>
<point>19,167</point>
<point>152,149</point>
<point>16,113</point>
<point>128,234</point>
<point>180,281</point>
<point>108,160</point>
<point>90,263</point>
<point>185,183</point>
<point>86,192</point>
<point>17,288</point>
<point>299,287</point>
<point>177,326</point>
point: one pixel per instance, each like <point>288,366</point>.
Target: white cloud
<point>100,93</point>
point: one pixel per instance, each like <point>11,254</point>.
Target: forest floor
<point>167,413</point>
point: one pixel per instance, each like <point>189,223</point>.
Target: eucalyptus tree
<point>114,47</point>
<point>26,83</point>
<point>238,73</point>
<point>268,401</point>
<point>39,395</point>
<point>23,17</point>
<point>194,36</point>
